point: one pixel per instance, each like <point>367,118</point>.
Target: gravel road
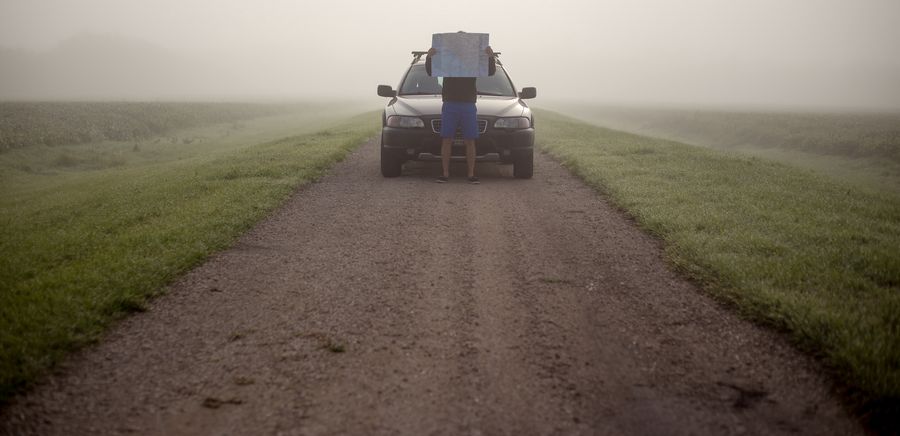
<point>401,306</point>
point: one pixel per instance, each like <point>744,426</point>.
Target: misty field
<point>91,230</point>
<point>861,147</point>
<point>24,124</point>
<point>797,250</point>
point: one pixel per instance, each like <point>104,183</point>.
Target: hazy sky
<point>787,52</point>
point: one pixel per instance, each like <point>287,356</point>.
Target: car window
<point>419,82</point>
<point>498,84</point>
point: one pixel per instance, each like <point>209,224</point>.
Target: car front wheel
<point>523,166</point>
<point>390,165</point>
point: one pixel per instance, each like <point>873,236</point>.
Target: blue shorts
<point>458,114</point>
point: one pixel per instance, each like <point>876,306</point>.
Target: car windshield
<point>418,82</point>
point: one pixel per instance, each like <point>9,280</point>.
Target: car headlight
<point>406,122</point>
<point>512,123</point>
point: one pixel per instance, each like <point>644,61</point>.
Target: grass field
<point>91,231</point>
<point>25,124</point>
<point>809,254</point>
<point>225,134</point>
<point>863,148</point>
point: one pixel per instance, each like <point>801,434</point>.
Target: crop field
<point>208,128</point>
<point>809,254</point>
<point>93,228</point>
<point>863,148</point>
<point>29,124</point>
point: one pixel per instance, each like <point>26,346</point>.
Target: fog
<point>798,53</point>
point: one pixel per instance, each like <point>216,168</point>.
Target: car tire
<point>390,165</point>
<point>523,166</point>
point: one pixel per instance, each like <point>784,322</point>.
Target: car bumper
<point>423,144</point>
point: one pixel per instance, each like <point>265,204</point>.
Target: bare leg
<point>446,149</point>
<point>470,156</point>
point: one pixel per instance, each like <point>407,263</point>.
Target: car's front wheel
<point>523,166</point>
<point>390,165</point>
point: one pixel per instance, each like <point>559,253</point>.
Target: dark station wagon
<point>411,122</point>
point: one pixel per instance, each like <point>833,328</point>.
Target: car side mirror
<point>529,92</point>
<point>386,91</point>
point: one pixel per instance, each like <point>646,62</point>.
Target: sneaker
<point>474,180</point>
<point>442,179</point>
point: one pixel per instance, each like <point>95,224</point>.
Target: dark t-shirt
<point>460,89</point>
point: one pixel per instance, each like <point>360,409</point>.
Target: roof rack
<point>418,55</point>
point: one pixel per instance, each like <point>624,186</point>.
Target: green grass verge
<point>83,250</point>
<point>859,147</point>
<point>803,252</point>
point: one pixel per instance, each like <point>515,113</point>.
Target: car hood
<point>430,105</point>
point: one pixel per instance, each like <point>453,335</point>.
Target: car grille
<point>436,126</point>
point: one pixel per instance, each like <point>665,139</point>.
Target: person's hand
<point>489,51</point>
<point>432,51</point>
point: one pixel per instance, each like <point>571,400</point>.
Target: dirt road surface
<point>400,306</point>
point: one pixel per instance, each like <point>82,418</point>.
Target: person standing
<point>458,111</point>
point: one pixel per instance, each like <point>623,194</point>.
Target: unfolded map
<point>459,55</point>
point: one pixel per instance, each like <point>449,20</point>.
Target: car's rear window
<point>418,82</point>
